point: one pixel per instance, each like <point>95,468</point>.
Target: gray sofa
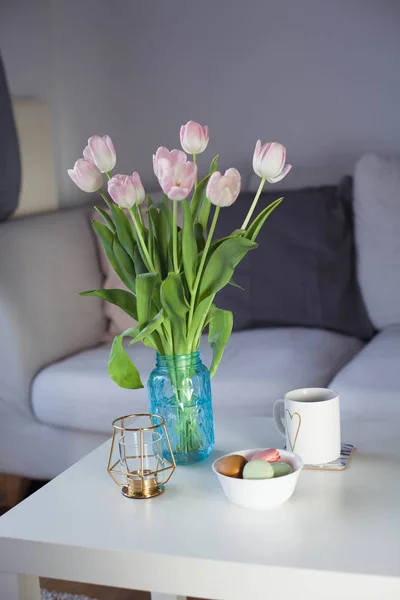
<point>56,400</point>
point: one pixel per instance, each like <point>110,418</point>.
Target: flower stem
<point>175,236</point>
<point>147,256</point>
<point>195,162</point>
<point>167,334</point>
<point>202,263</point>
<point>253,206</point>
<point>139,212</point>
<point>197,335</point>
<point>108,174</point>
<point>106,200</point>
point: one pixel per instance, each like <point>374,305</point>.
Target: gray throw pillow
<point>10,168</point>
<point>377,234</point>
<point>303,272</point>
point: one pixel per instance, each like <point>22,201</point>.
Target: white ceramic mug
<point>310,423</point>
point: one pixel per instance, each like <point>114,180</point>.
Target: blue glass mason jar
<point>179,390</point>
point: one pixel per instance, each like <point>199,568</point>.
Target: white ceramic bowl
<point>261,494</point>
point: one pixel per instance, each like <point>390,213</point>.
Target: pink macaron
<point>270,455</point>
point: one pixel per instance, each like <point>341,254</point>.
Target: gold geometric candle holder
<point>137,463</point>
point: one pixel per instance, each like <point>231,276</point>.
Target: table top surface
<point>347,522</point>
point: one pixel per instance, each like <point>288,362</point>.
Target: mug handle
<point>277,417</point>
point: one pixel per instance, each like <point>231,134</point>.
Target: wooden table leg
<point>19,587</point>
<point>12,490</point>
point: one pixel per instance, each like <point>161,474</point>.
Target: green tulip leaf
<point>173,296</point>
<point>198,195</point>
<point>212,310</point>
<point>146,331</point>
<point>161,232</point>
<point>220,267</point>
<point>236,285</point>
<point>154,246</point>
<point>214,245</point>
<point>120,367</point>
<point>180,248</point>
<point>107,219</point>
<point>125,300</point>
<point>150,245</point>
<point>214,165</point>
<point>255,227</point>
<point>124,229</point>
<point>107,240</point>
<point>220,330</point>
<point>235,234</point>
<point>166,212</point>
<point>140,266</point>
<point>145,284</point>
<point>165,209</point>
<point>125,263</point>
<point>156,297</point>
<point>148,341</point>
<point>176,307</point>
<point>189,246</point>
<point>137,209</point>
<point>199,317</point>
<point>199,235</point>
<point>204,212</point>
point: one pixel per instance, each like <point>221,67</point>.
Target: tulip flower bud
<point>86,175</point>
<point>176,157</point>
<point>222,190</point>
<point>100,150</point>
<point>269,161</point>
<point>176,180</point>
<point>126,190</point>
<point>194,137</point>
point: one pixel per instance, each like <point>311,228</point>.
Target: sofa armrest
<point>45,261</point>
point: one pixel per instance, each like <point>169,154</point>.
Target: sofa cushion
<point>45,261</point>
<point>377,227</point>
<point>303,273</point>
<point>369,384</point>
<point>258,367</point>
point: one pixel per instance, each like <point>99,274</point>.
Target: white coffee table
<point>337,538</point>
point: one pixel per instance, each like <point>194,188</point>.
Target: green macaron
<point>281,468</point>
<point>258,469</point>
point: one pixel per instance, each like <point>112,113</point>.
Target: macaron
<point>281,468</point>
<point>258,469</point>
<point>270,455</point>
<point>231,466</point>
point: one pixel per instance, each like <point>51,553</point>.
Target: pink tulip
<point>100,150</point>
<point>222,190</point>
<point>176,157</point>
<point>176,180</point>
<point>86,175</point>
<point>269,161</point>
<point>126,190</point>
<point>194,137</point>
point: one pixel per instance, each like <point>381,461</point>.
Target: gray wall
<point>321,76</point>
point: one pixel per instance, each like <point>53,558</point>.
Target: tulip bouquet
<point>173,273</point>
